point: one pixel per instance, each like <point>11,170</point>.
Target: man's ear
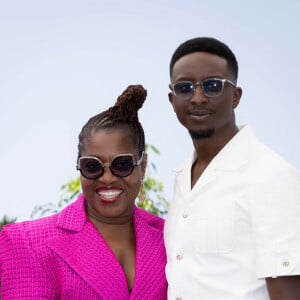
<point>170,95</point>
<point>237,94</point>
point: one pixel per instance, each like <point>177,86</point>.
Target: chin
<point>201,134</point>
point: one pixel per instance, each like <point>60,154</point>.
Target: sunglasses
<point>212,87</point>
<point>122,165</point>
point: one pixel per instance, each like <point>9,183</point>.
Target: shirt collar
<point>232,156</point>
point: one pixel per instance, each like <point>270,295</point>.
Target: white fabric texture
<point>239,224</point>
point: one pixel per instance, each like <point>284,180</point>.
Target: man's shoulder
<point>266,158</point>
<point>267,170</point>
<point>260,154</point>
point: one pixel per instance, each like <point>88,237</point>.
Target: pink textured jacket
<point>64,257</point>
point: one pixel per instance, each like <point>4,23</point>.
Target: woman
<point>101,246</point>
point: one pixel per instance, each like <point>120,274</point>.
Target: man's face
<point>201,115</point>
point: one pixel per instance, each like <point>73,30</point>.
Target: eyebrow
<point>185,78</point>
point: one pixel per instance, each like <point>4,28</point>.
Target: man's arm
<point>284,288</point>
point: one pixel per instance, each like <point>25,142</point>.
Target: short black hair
<point>209,45</point>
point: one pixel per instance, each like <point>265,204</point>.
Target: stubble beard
<point>204,134</point>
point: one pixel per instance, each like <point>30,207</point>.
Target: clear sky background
<point>63,61</point>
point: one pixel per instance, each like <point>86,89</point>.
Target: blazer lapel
<point>86,252</point>
<point>82,247</point>
<point>150,259</point>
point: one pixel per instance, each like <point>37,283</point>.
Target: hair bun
<point>128,104</point>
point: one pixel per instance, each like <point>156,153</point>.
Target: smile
<point>108,195</point>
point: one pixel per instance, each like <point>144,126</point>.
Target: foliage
<point>6,220</point>
<point>155,203</point>
<point>69,192</point>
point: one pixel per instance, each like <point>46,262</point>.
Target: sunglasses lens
<point>184,90</point>
<point>212,87</point>
<point>122,166</point>
<point>90,168</point>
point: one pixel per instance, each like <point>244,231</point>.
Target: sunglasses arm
<point>138,162</point>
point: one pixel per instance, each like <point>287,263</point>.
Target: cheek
<point>134,183</point>
<point>225,105</point>
<point>179,109</point>
<point>179,106</point>
<point>87,185</point>
<point>134,191</point>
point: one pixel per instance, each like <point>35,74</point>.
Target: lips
<point>108,194</point>
<point>200,113</point>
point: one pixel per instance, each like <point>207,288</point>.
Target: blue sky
<point>63,61</point>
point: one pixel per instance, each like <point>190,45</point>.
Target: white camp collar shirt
<point>239,224</point>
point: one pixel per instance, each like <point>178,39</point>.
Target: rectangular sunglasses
<point>122,165</point>
<point>212,87</point>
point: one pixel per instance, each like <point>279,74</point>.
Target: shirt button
<point>285,263</point>
<point>179,256</point>
<point>185,214</point>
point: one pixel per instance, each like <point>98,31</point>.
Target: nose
<point>199,96</point>
<point>107,176</point>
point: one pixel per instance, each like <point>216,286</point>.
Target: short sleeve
<point>20,272</point>
<point>276,223</point>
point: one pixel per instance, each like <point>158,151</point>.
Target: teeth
<point>109,194</point>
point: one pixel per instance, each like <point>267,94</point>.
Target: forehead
<point>200,65</point>
<point>108,143</point>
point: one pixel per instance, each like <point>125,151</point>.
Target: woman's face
<point>110,198</point>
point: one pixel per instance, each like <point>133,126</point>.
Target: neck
<point>97,220</point>
<point>208,147</point>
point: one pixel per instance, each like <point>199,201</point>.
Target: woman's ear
<point>144,164</point>
<point>142,196</point>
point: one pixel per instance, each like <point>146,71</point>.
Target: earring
<point>142,197</point>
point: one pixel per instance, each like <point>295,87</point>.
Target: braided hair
<point>122,116</point>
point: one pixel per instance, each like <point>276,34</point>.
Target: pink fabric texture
<point>64,257</point>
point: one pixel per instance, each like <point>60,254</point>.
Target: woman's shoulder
<point>32,227</point>
<point>69,218</point>
<point>151,219</point>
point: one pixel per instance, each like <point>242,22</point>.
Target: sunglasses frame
<point>108,164</point>
<point>223,80</point>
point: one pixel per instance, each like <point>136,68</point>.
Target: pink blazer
<point>64,257</point>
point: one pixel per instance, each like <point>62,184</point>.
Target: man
<point>233,229</point>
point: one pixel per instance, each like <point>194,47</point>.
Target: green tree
<point>155,201</point>
<point>6,220</point>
